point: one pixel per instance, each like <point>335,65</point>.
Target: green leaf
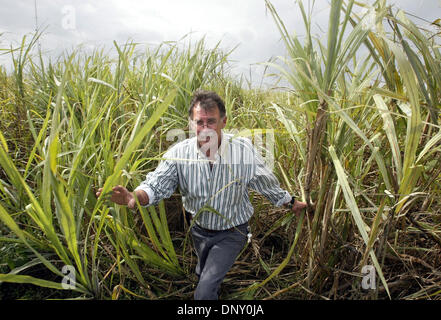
<point>3,142</point>
<point>391,133</point>
<point>14,278</point>
<point>285,261</point>
<point>352,204</point>
<point>136,142</point>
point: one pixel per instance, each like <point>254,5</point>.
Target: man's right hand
<point>120,195</point>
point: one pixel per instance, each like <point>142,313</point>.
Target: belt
<point>190,217</point>
<point>214,231</point>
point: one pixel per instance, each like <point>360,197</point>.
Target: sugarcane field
<point>335,149</point>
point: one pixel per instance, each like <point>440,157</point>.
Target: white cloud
<point>246,23</point>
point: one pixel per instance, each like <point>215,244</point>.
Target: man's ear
<point>224,122</point>
<point>191,125</point>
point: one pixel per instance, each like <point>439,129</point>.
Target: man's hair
<point>207,100</point>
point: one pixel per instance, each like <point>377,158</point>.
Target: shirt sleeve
<point>162,182</point>
<point>266,183</point>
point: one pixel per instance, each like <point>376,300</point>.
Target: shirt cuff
<point>149,192</point>
<point>286,199</point>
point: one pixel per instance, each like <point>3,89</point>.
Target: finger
<point>119,188</point>
<point>106,196</point>
<point>131,204</point>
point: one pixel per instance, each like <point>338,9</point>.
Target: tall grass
<point>352,144</point>
<point>357,137</point>
<point>93,123</point>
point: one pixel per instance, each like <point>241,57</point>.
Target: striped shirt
<point>237,166</point>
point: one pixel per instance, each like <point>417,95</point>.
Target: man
<point>211,169</point>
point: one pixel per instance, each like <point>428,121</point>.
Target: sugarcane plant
<point>348,117</point>
<point>96,126</point>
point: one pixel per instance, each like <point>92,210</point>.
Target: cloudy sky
<point>245,23</point>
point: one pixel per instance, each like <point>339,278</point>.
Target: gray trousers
<point>216,252</point>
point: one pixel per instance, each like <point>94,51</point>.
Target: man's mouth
<point>205,136</point>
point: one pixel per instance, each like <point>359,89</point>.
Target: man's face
<point>208,125</point>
